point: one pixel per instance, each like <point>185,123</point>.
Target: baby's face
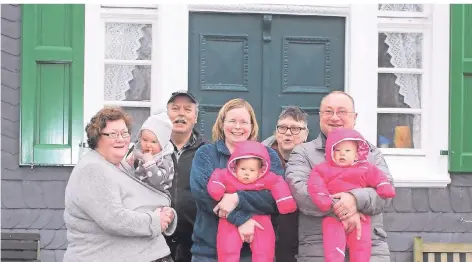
<point>248,170</point>
<point>149,143</point>
<point>345,153</point>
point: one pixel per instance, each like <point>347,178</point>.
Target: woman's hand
<point>246,230</point>
<point>169,211</point>
<point>227,204</point>
<point>346,206</point>
<point>165,218</point>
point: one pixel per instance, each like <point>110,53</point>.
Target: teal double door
<point>272,61</point>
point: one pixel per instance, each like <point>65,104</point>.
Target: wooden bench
<point>20,247</point>
<point>439,251</point>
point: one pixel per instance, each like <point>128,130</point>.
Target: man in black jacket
<point>182,109</point>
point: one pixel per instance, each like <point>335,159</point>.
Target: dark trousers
<point>286,245</point>
<point>180,249</point>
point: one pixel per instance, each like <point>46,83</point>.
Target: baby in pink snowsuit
<point>248,169</point>
<point>345,168</point>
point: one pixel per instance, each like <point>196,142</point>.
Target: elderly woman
<point>110,215</point>
<point>235,122</point>
<point>291,130</point>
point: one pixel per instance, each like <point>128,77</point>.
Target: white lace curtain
<point>125,41</point>
<point>405,50</point>
<point>402,7</point>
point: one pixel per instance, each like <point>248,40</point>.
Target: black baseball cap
<point>182,93</point>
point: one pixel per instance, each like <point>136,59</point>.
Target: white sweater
<point>110,215</point>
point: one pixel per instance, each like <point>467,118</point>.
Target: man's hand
<point>346,206</point>
<point>227,204</point>
<point>354,222</point>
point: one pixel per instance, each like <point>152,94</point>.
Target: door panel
<point>306,61</point>
<point>272,61</point>
<point>224,62</point>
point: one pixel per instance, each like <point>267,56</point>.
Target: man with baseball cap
<point>182,108</point>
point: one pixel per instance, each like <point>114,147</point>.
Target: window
<point>136,56</point>
<point>403,71</point>
<point>122,59</point>
<point>401,91</point>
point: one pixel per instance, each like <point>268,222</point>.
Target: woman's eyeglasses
<point>295,130</point>
<point>114,135</point>
<point>233,122</point>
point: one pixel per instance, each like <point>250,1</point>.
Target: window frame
<point>424,27</point>
<point>409,167</point>
<point>170,44</point>
<point>96,18</point>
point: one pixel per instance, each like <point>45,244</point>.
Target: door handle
<point>266,28</point>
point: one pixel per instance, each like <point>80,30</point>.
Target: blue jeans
<point>203,259</point>
<point>208,259</point>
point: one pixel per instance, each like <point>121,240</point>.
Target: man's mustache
<point>180,121</point>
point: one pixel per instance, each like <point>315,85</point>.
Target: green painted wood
<point>224,62</point>
<point>52,83</point>
<point>270,60</point>
<point>305,61</point>
<point>460,99</point>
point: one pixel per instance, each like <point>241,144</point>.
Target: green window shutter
<point>52,69</point>
<point>460,114</point>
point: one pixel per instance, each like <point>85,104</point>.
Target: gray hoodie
<point>109,214</point>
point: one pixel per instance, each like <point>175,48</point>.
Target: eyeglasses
<point>233,122</point>
<point>114,135</point>
<point>340,113</point>
<point>295,130</point>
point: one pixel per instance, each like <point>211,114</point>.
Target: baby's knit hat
<point>160,124</point>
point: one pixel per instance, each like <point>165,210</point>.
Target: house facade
<point>406,65</point>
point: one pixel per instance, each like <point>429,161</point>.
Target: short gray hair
<point>196,103</point>
<point>296,113</point>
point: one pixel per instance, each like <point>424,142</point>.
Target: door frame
<point>174,24</point>
<point>298,10</point>
<point>315,15</point>
<point>276,9</point>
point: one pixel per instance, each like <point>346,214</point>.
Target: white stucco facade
<point>423,167</point>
